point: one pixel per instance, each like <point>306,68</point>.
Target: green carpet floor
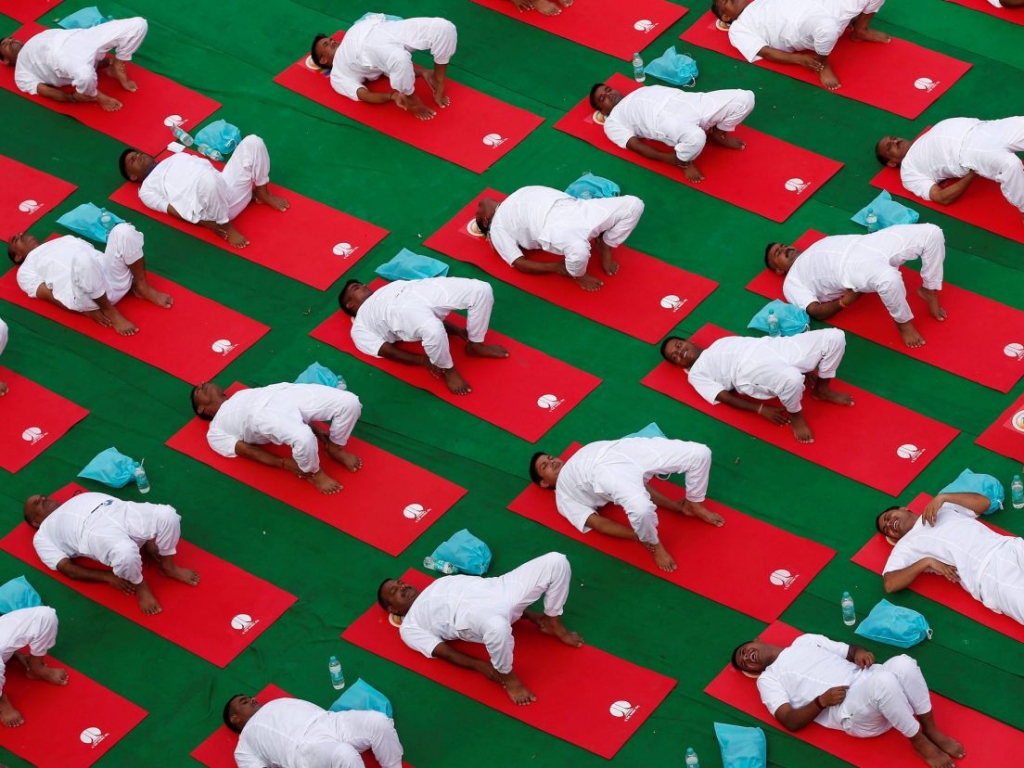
<point>230,51</point>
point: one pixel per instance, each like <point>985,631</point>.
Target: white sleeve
<point>366,341</point>
<point>746,42</point>
<point>153,198</point>
<point>900,557</point>
<point>577,256</point>
<point>832,646</point>
<point>916,182</point>
<point>506,246</point>
<point>797,294</point>
<point>400,72</point>
<point>826,33</point>
<point>773,695</point>
<point>26,80</point>
<point>246,758</point>
<point>617,132</point>
<point>84,80</point>
<point>346,82</point>
<point>222,442</point>
<point>419,639</point>
<point>48,551</point>
<point>706,387</point>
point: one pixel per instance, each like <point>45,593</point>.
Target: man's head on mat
<point>323,50</point>
<point>544,469</point>
<point>485,213</point>
<point>680,352</point>
<point>779,257</point>
<point>20,246</point>
<point>352,296</point>
<point>753,657</point>
<point>895,522</point>
<point>135,165</point>
<point>239,709</point>
<point>395,596</point>
<point>604,98</point>
<point>9,49</point>
<point>890,150</point>
<point>207,399</point>
<point>728,10</point>
<point>38,508</point>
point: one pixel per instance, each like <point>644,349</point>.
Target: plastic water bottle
<point>182,135</point>
<point>1017,493</point>
<point>638,68</point>
<point>849,615</point>
<point>337,676</point>
<point>774,329</point>
<point>210,152</point>
<point>691,758</point>
<point>871,220</point>
<point>141,479</point>
<point>443,566</point>
<point>106,220</point>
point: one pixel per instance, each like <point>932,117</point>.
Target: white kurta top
<point>787,25</point>
<point>35,627</point>
<point>258,416</point>
<point>3,336</point>
<point>187,182</point>
<point>666,114</point>
<point>804,670</point>
<point>937,155</point>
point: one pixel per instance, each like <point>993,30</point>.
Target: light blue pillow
<point>971,482</point>
<point>466,552</point>
<point>407,265</point>
<point>675,68</point>
<point>363,697</point>
<point>651,430</point>
<point>888,211</point>
<point>588,187</point>
<point>17,594</point>
<point>792,320</point>
<point>84,19</point>
<point>894,625</point>
<point>111,467</point>
<point>321,374</point>
<point>90,221</point>
<point>742,746</point>
<point>221,135</point>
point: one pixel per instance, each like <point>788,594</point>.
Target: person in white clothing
<point>839,686</point>
<point>298,734</point>
<point>3,346</point>
<point>70,273</point>
<point>684,121</point>
<point>801,32</point>
<point>741,371</point>
<point>959,149</point>
<point>835,271</point>
<point>948,539</point>
<point>375,47</point>
<point>36,628</point>
<point>479,610</point>
<point>415,310</point>
<point>188,187</point>
<point>109,531</point>
<point>282,414</point>
<point>542,218</point>
<point>45,64</point>
<point>620,472</point>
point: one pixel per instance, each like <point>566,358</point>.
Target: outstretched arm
<point>95,575</point>
<point>646,150</point>
<point>611,527</point>
<point>770,412</point>
<point>811,61</point>
<point>950,193</point>
<point>58,94</point>
<point>894,581</point>
<point>445,652</point>
<point>263,456</point>
<point>390,352</point>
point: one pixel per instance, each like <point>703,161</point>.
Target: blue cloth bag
<point>466,552</point>
<point>971,482</point>
<point>675,68</point>
<point>221,135</point>
<point>364,697</point>
<point>651,430</point>
<point>742,747</point>
<point>84,19</point>
<point>894,625</point>
<point>792,320</point>
<point>90,221</point>
<point>17,594</point>
<point>588,187</point>
<point>321,374</point>
<point>111,467</point>
<point>407,265</point>
<point>888,211</point>
<point>387,17</point>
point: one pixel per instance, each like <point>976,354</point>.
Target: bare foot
<point>479,349</point>
<point>661,557</point>
<point>823,391</point>
<point>3,388</point>
<point>176,572</point>
<point>588,283</point>
<point>608,262</point>
<point>694,509</point>
<point>456,384</point>
<point>801,431</point>
<point>121,324</point>
<point>413,104</point>
<point>38,670</point>
<point>108,103</point>
<point>931,298</point>
<point>147,600</point>
<point>727,140</point>
<point>99,317</point>
<point>693,173</point>
<point>9,716</point>
<point>546,7</point>
<point>552,625</point>
<point>266,197</point>
<point>150,294</point>
<point>437,88</point>
<point>117,69</point>
<point>947,744</point>
<point>910,335</point>
<point>930,752</point>
<point>828,78</point>
<point>350,461</point>
<point>233,236</point>
<point>324,482</point>
<point>868,35</point>
<point>565,3</point>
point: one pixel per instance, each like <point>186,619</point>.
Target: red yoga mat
<point>899,77</point>
<point>140,122</point>
<point>982,205</point>
<point>770,177</point>
<point>609,26</point>
<point>986,741</point>
<point>1006,435</point>
<point>27,195</point>
<point>526,394</point>
<point>32,418</point>
<point>992,331</point>
<point>401,511</point>
<point>584,696</point>
<point>876,442</point>
<point>875,553</point>
<point>646,299</point>
<point>27,10</point>
<point>194,340</point>
<point>474,131</point>
<point>91,718</point>
<point>218,750</point>
<point>1006,14</point>
<point>757,553</point>
<point>330,241</point>
<point>216,620</point>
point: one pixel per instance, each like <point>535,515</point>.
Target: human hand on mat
<point>862,657</point>
<point>120,584</point>
<point>775,415</point>
<point>944,569</point>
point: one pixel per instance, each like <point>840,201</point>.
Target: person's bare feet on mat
<point>116,69</point>
<point>552,625</point>
<point>108,103</point>
<point>324,482</point>
<point>519,693</point>
<point>695,509</point>
<point>911,336</point>
<point>662,558</point>
<point>3,388</point>
<point>147,600</point>
<point>263,195</point>
<point>37,669</point>
<point>454,381</point>
<point>9,716</point>
<point>350,461</point>
<point>415,106</point>
<point>152,295</point>
<point>589,283</point>
<point>547,8</point>
<point>479,349</point>
<point>931,298</point>
<point>436,88</point>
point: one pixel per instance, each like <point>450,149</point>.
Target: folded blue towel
<point>888,211</point>
<point>90,221</point>
<point>363,696</point>
<point>407,265</point>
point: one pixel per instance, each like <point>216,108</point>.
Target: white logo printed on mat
<point>172,120</point>
<point>549,402</point>
<point>415,512</point>
<point>1014,350</point>
<point>673,302</point>
<point>1017,420</point>
<point>623,709</point>
<point>925,84</point>
<point>243,622</point>
<point>92,736</point>
<point>782,578</point>
<point>494,140</point>
<point>29,206</point>
<point>797,185</point>
<point>909,451</point>
<point>344,249</point>
<point>33,435</point>
<point>223,347</point>
<point>645,25</point>
<point>474,229</point>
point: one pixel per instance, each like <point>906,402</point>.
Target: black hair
<point>767,250</point>
<point>593,94</point>
<point>732,659</point>
<point>534,475</point>
<point>666,342</point>
<point>341,298</point>
<point>484,227</point>
<point>312,50</point>
<point>878,520</point>
<point>878,154</point>
<point>121,163</point>
<point>716,10</point>
<point>227,713</point>
<point>381,600</point>
<point>11,254</point>
<point>195,406</point>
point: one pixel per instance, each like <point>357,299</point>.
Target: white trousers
<point>990,151</point>
<point>449,294</point>
<point>87,47</point>
<point>3,336</point>
<point>812,350</point>
<point>34,627</point>
<point>886,696</point>
<point>392,41</point>
<point>94,275</point>
<point>733,106</point>
<point>118,547</point>
<point>337,739</point>
<point>577,222</point>
<point>879,256</point>
<point>293,410</point>
<point>248,167</point>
